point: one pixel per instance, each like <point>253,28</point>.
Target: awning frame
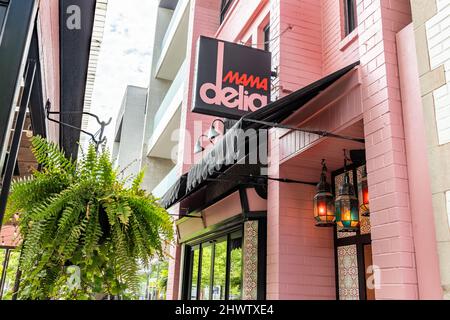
<point>267,117</point>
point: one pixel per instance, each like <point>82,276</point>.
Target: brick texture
<point>392,241</point>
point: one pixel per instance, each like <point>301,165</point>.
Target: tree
<point>84,232</point>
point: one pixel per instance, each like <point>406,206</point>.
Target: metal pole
<point>18,277</point>
<point>5,268</point>
<point>317,132</point>
<point>16,284</point>
<point>15,145</point>
<point>157,281</point>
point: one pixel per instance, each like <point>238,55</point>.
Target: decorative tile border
<point>250,269</point>
<point>348,273</point>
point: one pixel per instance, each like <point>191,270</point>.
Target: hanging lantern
<point>364,189</point>
<point>324,212</point>
<point>347,206</point>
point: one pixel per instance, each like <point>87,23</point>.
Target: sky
<point>125,57</point>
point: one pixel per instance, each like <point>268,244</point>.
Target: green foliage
<point>81,214</point>
<point>11,272</point>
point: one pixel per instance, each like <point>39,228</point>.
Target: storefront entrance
<point>228,263</point>
<point>353,250</point>
<point>215,268</point>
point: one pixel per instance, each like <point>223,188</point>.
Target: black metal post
<point>15,145</point>
<point>16,284</point>
<point>18,276</point>
<point>15,41</point>
<point>5,269</point>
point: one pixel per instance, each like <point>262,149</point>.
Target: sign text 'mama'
<point>231,80</point>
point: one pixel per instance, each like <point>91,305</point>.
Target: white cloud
<point>125,57</point>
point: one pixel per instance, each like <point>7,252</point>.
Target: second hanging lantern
<point>347,206</point>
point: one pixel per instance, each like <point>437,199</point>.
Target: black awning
<point>175,193</point>
<point>282,108</point>
<point>219,158</point>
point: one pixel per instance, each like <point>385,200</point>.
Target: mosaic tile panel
<point>250,272</point>
<point>348,273</point>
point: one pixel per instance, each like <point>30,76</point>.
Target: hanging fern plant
<point>84,233</point>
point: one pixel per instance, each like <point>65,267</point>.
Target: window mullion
<point>227,272</point>
<point>199,273</point>
<point>211,276</point>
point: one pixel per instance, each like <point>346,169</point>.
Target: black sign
<point>232,80</point>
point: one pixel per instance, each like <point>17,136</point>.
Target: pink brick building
<point>248,231</point>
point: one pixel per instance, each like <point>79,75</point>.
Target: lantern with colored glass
<point>364,189</point>
<point>324,212</point>
<point>347,206</point>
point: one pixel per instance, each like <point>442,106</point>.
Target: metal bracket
<point>250,176</point>
<point>101,140</point>
<point>185,216</point>
<point>203,219</point>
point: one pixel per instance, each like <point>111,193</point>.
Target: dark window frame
<point>230,227</point>
<point>360,240</point>
<point>224,7</point>
<point>350,23</point>
<point>266,32</point>
<point>4,4</point>
<point>198,245</point>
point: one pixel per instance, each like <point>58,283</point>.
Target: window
<point>220,259</point>
<point>266,38</point>
<point>215,269</point>
<point>3,8</point>
<point>225,6</point>
<point>235,291</point>
<point>350,16</point>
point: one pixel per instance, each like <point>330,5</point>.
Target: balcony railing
<point>173,91</point>
<point>166,183</point>
<point>170,37</point>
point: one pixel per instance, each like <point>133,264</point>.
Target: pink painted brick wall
<point>240,18</point>
<point>300,256</point>
<point>338,50</point>
<point>392,240</point>
<point>49,45</point>
<point>300,49</point>
<point>173,281</point>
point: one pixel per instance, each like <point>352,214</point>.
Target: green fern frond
<point>81,214</point>
<point>49,156</point>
